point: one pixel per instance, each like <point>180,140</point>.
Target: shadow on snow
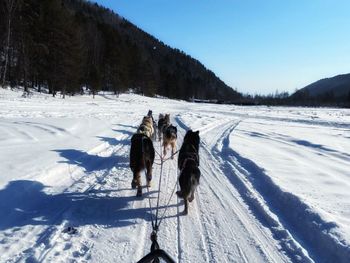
<point>26,203</point>
<point>303,221</point>
<point>93,162</point>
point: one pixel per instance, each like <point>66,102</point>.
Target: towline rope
<point>155,223</point>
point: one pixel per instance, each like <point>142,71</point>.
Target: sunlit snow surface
<point>275,184</point>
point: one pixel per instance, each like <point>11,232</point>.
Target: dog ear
<point>197,132</point>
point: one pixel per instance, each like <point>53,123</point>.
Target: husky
<point>150,114</point>
<point>163,122</point>
<point>169,138</point>
<point>146,127</point>
<point>141,158</point>
<point>188,164</point>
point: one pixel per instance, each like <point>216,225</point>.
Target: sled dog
<point>146,127</point>
<point>169,138</point>
<point>141,158</point>
<point>188,164</point>
<point>150,114</point>
<point>163,122</point>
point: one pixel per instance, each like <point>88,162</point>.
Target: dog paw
<point>179,194</point>
<point>191,198</point>
<point>139,193</point>
<point>133,184</point>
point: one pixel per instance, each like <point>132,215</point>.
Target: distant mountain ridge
<point>337,86</point>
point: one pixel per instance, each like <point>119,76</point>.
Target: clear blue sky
<point>255,46</point>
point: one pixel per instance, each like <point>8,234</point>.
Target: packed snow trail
<point>67,167</point>
<point>244,239</point>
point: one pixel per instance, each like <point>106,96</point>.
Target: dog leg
<point>191,198</point>
<point>136,180</point>
<point>179,194</point>
<point>193,187</point>
<point>149,173</point>
<point>164,149</point>
<point>133,184</point>
<point>172,149</point>
<point>185,212</point>
<point>139,191</point>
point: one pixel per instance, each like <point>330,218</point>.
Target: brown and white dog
<point>169,138</point>
<point>150,114</point>
<point>146,127</point>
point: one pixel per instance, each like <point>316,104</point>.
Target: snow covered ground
<point>275,183</point>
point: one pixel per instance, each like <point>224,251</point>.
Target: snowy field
<point>275,184</point>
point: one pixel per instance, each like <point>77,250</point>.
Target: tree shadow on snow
<point>114,142</point>
<point>92,162</point>
<point>318,146</point>
<point>25,202</point>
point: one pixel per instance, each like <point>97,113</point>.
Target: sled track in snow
<point>272,206</point>
<point>314,122</point>
<point>51,242</point>
<point>255,201</point>
<point>229,245</point>
<point>185,232</point>
<point>230,198</point>
<point>179,254</point>
<point>83,185</point>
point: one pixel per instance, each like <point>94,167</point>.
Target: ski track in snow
<point>229,245</point>
<point>236,215</point>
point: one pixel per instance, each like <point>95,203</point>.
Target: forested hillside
<point>333,91</point>
<point>65,45</point>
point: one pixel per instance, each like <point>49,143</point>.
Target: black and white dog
<point>188,163</point>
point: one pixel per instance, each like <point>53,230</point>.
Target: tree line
<point>67,45</point>
<point>300,97</point>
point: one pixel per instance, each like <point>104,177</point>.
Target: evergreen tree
<point>63,45</point>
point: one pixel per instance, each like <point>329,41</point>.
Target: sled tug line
<point>156,252</point>
<point>142,154</point>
